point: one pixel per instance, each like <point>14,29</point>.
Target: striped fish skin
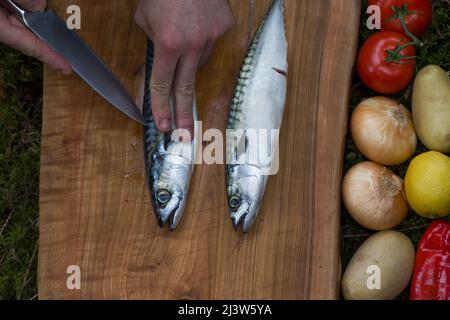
<point>169,165</point>
<point>258,103</point>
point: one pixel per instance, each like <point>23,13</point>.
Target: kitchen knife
<point>53,30</point>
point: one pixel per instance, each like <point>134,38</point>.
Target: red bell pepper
<point>431,279</point>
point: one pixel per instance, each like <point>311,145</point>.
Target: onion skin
<point>374,196</point>
<point>383,131</point>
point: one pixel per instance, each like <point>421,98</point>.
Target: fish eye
<point>235,202</point>
<point>163,196</point>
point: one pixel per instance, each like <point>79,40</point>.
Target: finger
<point>206,54</point>
<point>142,22</point>
<point>161,84</point>
<point>33,5</point>
<point>184,89</point>
<point>15,35</point>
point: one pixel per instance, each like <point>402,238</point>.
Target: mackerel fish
<point>169,163</point>
<point>258,103</point>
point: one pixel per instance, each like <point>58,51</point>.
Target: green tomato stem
<point>394,56</point>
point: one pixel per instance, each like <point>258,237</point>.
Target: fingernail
<point>164,124</point>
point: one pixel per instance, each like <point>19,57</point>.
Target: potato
<point>388,256</point>
<point>431,108</point>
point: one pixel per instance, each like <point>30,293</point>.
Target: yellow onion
<point>374,196</point>
<point>383,131</point>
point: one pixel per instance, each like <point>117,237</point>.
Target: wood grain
<point>95,210</point>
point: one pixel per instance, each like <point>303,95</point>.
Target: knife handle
<point>14,8</point>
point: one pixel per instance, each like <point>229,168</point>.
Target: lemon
<point>427,185</point>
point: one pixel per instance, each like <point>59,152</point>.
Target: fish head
<point>169,186</point>
<point>245,187</point>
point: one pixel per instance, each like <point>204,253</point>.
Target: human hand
<point>184,33</point>
<point>14,34</point>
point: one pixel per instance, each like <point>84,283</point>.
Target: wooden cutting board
<point>95,210</point>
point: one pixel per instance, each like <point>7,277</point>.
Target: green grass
<point>20,127</point>
<point>435,50</point>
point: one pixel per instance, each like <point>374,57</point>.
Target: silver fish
<point>169,163</point>
<point>258,103</point>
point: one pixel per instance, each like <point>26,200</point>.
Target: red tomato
<point>418,18</point>
<point>376,72</point>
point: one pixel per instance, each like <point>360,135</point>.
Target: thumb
<point>33,5</point>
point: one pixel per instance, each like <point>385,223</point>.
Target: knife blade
<point>50,28</point>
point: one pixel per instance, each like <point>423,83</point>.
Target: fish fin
<point>281,72</point>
